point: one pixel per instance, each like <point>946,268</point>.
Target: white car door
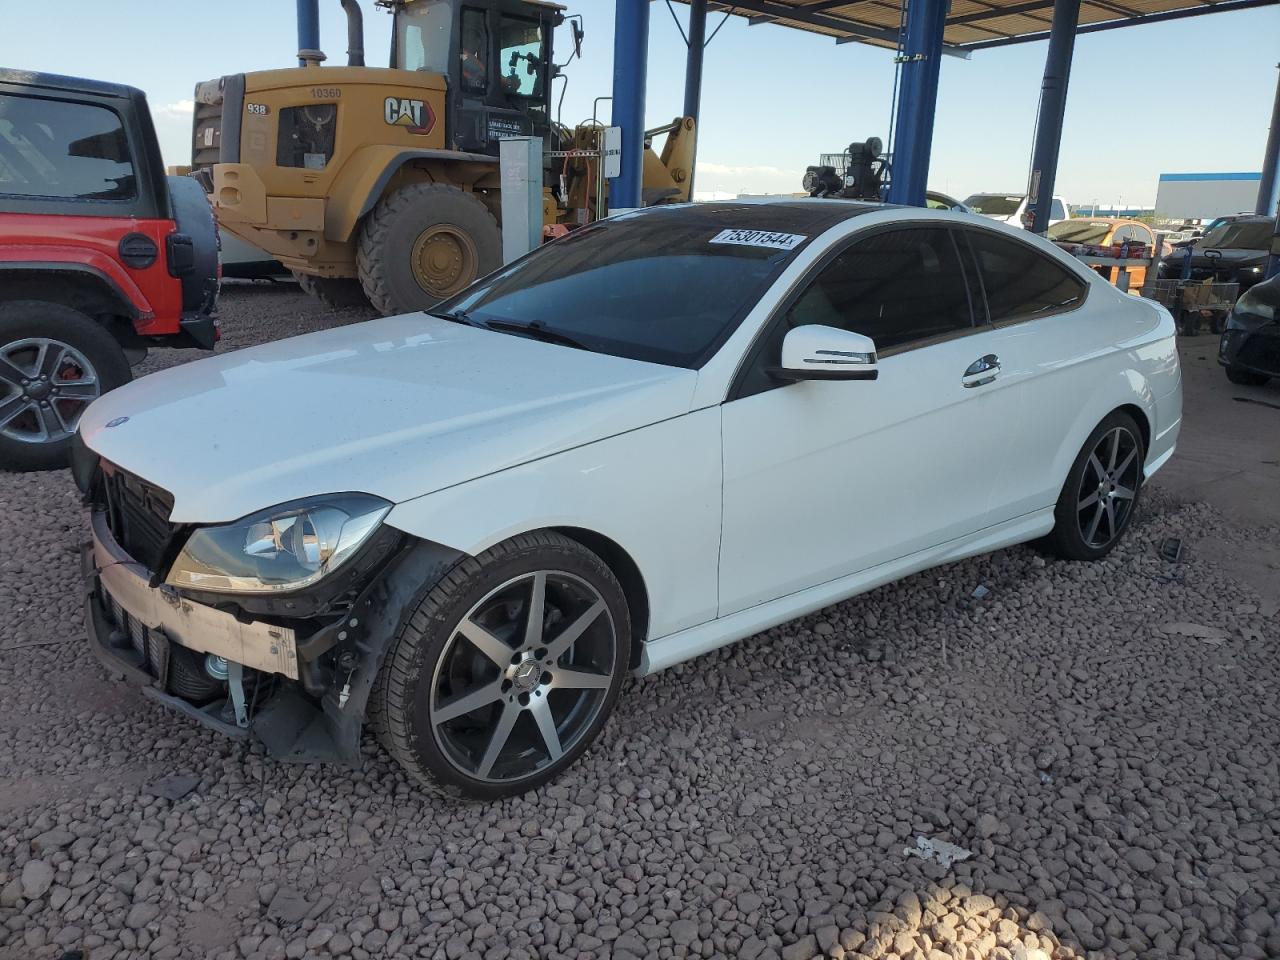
<point>1049,346</point>
<point>826,478</point>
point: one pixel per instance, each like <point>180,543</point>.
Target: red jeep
<point>101,255</point>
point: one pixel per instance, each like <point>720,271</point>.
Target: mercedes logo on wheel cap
<point>526,675</point>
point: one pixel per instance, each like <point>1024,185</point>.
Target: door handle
<point>982,371</point>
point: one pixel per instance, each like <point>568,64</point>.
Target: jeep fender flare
<point>117,287</point>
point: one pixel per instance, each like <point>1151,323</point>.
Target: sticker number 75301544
<point>760,238</point>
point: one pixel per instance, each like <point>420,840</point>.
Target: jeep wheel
<point>54,361</point>
<point>337,292</point>
<point>507,669</point>
<point>423,243</point>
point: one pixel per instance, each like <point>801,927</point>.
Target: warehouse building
<point>1203,196</point>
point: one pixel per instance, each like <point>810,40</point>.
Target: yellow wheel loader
<point>382,183</point>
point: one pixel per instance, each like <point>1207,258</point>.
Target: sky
<point>1182,96</point>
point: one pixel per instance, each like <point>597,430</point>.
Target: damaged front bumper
<point>159,640</point>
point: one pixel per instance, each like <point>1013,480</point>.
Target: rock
<point>141,914</point>
<point>805,949</point>
<point>684,931</point>
<point>988,825</point>
<point>54,839</point>
<point>288,906</point>
<point>37,878</point>
<point>1140,860</point>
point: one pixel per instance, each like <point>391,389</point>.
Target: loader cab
<point>496,58</point>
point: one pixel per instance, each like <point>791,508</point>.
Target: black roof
<point>55,81</point>
<point>814,215</point>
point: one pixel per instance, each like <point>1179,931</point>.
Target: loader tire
<point>337,292</point>
<point>423,243</point>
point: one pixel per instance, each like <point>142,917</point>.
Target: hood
<point>398,407</point>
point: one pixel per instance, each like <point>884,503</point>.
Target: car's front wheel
<point>1101,493</point>
<point>506,670</point>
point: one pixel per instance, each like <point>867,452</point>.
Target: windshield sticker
<point>760,238</point>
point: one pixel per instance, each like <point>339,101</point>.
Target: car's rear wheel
<point>1246,378</point>
<point>54,362</point>
<point>1101,493</point>
<point>506,670</point>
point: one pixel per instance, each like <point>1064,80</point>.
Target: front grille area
<point>137,515</point>
<point>149,645</point>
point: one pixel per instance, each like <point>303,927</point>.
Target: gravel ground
<point>1100,739</point>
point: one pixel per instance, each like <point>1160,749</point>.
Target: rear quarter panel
<point>1074,369</point>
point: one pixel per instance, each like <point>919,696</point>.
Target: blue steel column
<point>693,64</point>
<point>917,100</point>
<point>693,72</point>
<point>1053,105</point>
<point>1269,188</point>
<point>308,28</point>
<point>630,57</point>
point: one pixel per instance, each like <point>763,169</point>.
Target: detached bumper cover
<point>195,626</point>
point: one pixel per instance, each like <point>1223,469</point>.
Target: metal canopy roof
<point>971,24</point>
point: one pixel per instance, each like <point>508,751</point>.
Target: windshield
<point>1079,231</point>
<point>667,286</point>
<point>521,56</point>
<point>1239,235</point>
<point>422,36</point>
<point>994,204</point>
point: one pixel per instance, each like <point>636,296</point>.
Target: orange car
<point>1105,231</point>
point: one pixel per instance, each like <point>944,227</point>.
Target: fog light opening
<point>217,667</point>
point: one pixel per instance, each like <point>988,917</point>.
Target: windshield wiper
<point>536,330</point>
<point>457,316</point>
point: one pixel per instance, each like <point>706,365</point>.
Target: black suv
<point>1234,251</point>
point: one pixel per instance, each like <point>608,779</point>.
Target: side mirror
<point>578,34</point>
<point>815,352</point>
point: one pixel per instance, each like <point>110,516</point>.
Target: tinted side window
<point>1019,280</point>
<point>896,287</point>
<point>74,151</point>
<point>1056,212</point>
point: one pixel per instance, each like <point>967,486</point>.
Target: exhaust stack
<point>355,33</point>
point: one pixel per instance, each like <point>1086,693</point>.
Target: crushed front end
<point>293,668</point>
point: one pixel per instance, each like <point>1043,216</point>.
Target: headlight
<point>284,548</point>
<point>1253,309</point>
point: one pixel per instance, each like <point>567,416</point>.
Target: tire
<point>1246,378</point>
<point>424,243</point>
<point>341,293</point>
<point>80,361</point>
<point>518,687</point>
<point>1083,531</point>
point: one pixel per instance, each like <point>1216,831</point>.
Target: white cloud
<point>180,108</point>
<point>731,170</point>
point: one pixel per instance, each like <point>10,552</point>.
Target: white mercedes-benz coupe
<point>668,431</point>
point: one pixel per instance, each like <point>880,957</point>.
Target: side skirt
<point>678,647</point>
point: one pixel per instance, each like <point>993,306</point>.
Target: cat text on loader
<point>383,183</point>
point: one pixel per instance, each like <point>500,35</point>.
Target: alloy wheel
<point>523,677</point>
<point>45,385</point>
<point>1108,487</point>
